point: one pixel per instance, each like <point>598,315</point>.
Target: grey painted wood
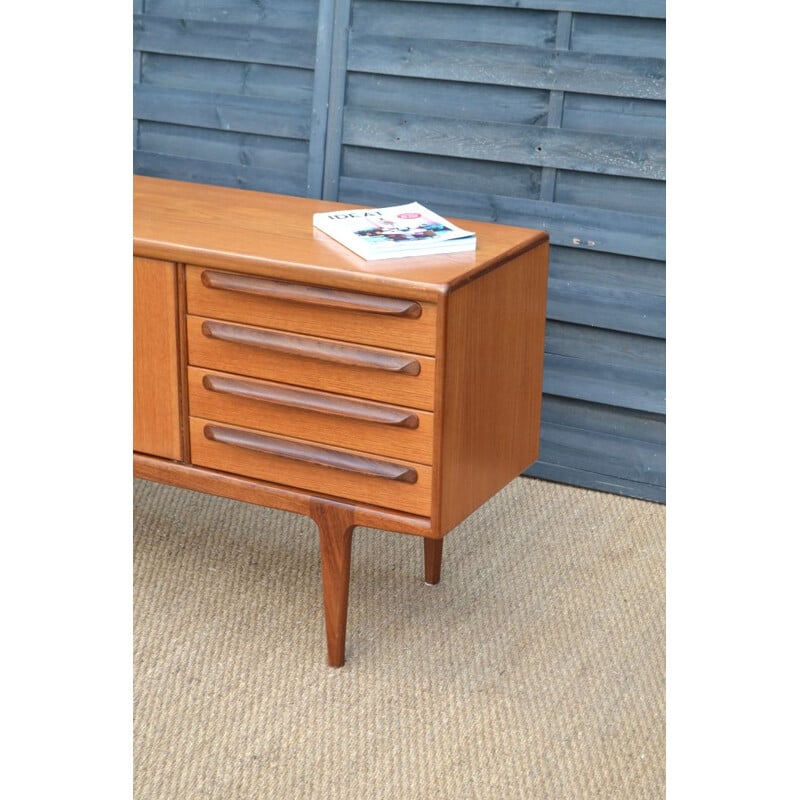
<point>555,111</point>
<point>626,36</point>
<point>634,8</point>
<point>509,65</point>
<point>292,47</point>
<point>379,19</point>
<point>517,144</point>
<point>227,147</point>
<point>604,114</point>
<point>242,176</point>
<point>595,230</point>
<point>322,87</point>
<point>226,92</point>
<point>641,390</point>
<point>280,13</point>
<point>608,270</point>
<point>604,347</point>
<point>558,473</point>
<point>336,100</point>
<point>604,454</point>
<point>450,99</point>
<point>220,111</point>
<point>617,309</point>
<point>598,418</point>
<point>194,74</point>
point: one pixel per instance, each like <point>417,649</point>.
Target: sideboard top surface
<point>273,235</point>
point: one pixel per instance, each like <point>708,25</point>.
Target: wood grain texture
<point>303,399</point>
<point>511,65</point>
<point>342,321</point>
<point>335,522</point>
<point>494,349</point>
<point>414,391</point>
<point>433,560</point>
<point>274,414</point>
<point>257,44</point>
<point>532,145</point>
<point>634,8</point>
<point>312,295</point>
<point>271,235</point>
<point>156,381</point>
<point>271,495</point>
<point>325,350</point>
<point>590,230</point>
<point>312,415</point>
<point>414,498</point>
<point>305,453</point>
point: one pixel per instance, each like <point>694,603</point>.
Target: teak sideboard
<point>273,366</point>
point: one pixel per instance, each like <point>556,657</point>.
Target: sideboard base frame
<point>335,521</point>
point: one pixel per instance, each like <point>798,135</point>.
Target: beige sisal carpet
<point>535,670</point>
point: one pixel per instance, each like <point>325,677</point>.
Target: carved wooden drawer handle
<point>310,454</point>
<point>309,347</point>
<point>312,401</point>
<point>314,295</point>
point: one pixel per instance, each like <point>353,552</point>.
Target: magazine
<point>394,232</point>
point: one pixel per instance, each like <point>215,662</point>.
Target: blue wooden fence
<point>541,113</point>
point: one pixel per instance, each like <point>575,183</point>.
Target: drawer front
<point>379,481</point>
<point>312,415</point>
<point>331,313</point>
<point>385,375</point>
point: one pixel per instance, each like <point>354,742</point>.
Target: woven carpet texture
<point>534,670</point>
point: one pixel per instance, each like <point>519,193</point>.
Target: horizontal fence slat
<point>292,47</point>
<point>533,145</point>
<point>608,270</point>
<point>442,172</point>
<point>603,383</point>
<point>611,192</point>
<point>509,65</point>
<point>634,8</point>
<point>615,309</point>
<point>568,226</point>
<point>221,112</point>
<point>218,173</point>
<point>604,454</point>
<point>557,473</point>
<point>246,150</point>
<point>629,36</point>
<point>291,13</point>
<point>453,99</point>
<point>598,418</point>
<point>622,115</point>
<point>637,196</point>
<point>266,81</point>
<point>483,23</point>
<point>607,347</point>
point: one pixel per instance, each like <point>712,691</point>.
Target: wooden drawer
<point>312,415</point>
<point>319,311</point>
<point>390,483</point>
<point>341,368</point>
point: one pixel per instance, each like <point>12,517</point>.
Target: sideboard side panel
<point>494,344</point>
<point>156,381</point>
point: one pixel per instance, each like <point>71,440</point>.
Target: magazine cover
<point>394,232</point>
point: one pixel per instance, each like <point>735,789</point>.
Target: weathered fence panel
<point>541,113</point>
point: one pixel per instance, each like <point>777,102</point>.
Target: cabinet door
<point>156,383</point>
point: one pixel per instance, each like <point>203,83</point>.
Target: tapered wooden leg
<point>433,560</point>
<point>335,523</point>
